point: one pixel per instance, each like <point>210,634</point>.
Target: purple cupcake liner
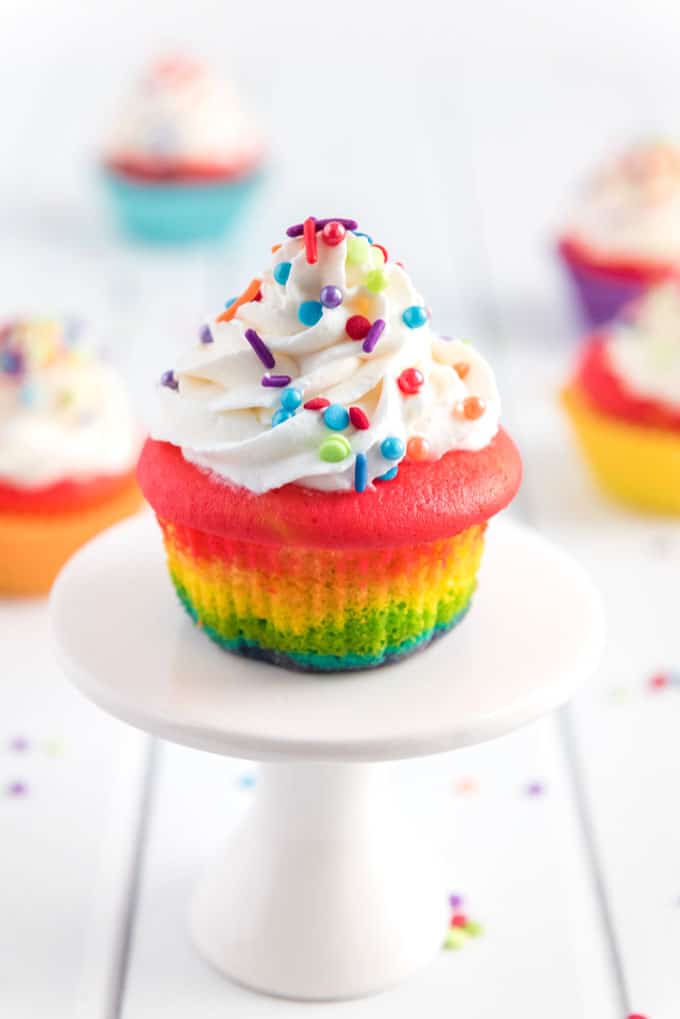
<point>601,297</point>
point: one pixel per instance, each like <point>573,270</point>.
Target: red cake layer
<point>633,269</point>
<point>63,496</point>
<point>426,501</point>
<point>608,393</point>
<point>150,170</point>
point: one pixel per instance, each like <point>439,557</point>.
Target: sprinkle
<point>247,780</point>
<point>336,417</point>
<point>317,403</point>
<point>291,399</point>
<point>331,297</point>
<point>310,312</point>
<point>205,336</point>
<point>388,475</point>
<point>459,920</point>
<point>228,304</point>
<point>658,682</point>
<point>474,929</point>
<point>410,381</point>
<point>414,317</point>
<point>357,327</point>
<point>298,229</point>
<point>455,901</point>
<point>358,250</point>
<point>276,381</point>
<point>359,419</point>
<point>12,362</point>
<point>418,448</point>
<point>260,347</point>
<point>17,789</point>
<point>358,233</point>
<point>636,1015</point>
<point>248,295</point>
<point>282,272</point>
<point>461,368</point>
<point>376,280</point>
<point>279,416</point>
<point>28,394</point>
<point>535,789</point>
<point>333,233</point>
<point>19,744</point>
<point>168,380</point>
<point>383,251</point>
<point>471,408</point>
<point>334,449</point>
<point>360,472</point>
<point>455,939</point>
<point>467,785</point>
<point>373,335</point>
<point>392,448</point>
<point>309,234</point>
<point>275,248</point>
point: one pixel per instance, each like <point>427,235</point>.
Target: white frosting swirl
<point>180,113</point>
<point>220,414</point>
<point>64,414</point>
<point>631,207</point>
<point>644,348</point>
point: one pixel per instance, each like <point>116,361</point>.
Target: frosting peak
<point>64,413</point>
<point>325,372</point>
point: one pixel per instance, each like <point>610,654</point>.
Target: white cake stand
<point>328,890</point>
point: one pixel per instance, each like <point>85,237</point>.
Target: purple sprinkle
<point>17,789</point>
<point>276,381</point>
<point>18,744</point>
<point>373,335</point>
<point>535,789</point>
<point>261,349</point>
<point>455,901</point>
<point>168,380</point>
<point>205,335</point>
<point>331,297</point>
<point>298,229</point>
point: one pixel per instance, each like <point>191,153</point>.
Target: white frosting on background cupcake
<point>644,348</point>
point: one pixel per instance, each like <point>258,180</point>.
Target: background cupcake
<point>325,464</point>
<point>68,450</point>
<point>624,402</point>
<point>182,158</point>
<point>624,233</point>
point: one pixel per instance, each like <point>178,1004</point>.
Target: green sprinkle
<point>455,939</point>
<point>376,280</point>
<point>334,449</point>
<point>358,250</point>
<point>475,930</point>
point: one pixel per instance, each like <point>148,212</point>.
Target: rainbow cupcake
<point>183,159</point>
<point>624,234</point>
<point>68,450</point>
<point>624,403</point>
<point>324,465</point>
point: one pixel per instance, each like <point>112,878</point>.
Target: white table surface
<point>456,137</point>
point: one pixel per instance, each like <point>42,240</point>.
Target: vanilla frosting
<point>644,347</point>
<point>64,413</point>
<point>631,207</point>
<point>180,113</point>
<point>215,406</point>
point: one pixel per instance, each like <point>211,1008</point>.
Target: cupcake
<point>624,234</point>
<point>324,464</point>
<point>183,157</point>
<point>68,450</point>
<point>624,402</point>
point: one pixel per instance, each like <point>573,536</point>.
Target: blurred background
<point>456,134</point>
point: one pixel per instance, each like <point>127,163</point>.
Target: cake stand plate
<point>327,890</point>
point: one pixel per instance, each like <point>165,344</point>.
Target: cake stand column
<point>328,889</point>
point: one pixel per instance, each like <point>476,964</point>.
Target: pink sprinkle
<point>276,381</point>
<point>317,403</point>
<point>358,418</point>
<point>373,335</point>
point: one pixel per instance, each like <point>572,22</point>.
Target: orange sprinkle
<point>461,369</point>
<point>418,448</point>
<point>275,247</point>
<point>248,295</point>
<point>471,408</point>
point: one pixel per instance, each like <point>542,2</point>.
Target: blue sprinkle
<point>358,233</point>
<point>336,417</point>
<point>310,312</point>
<point>415,316</point>
<point>228,304</point>
<point>291,398</point>
<point>392,448</point>
<point>28,394</point>
<point>388,475</point>
<point>360,472</point>
<point>279,416</point>
<point>282,272</point>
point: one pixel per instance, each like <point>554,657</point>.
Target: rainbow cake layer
<point>322,610</point>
